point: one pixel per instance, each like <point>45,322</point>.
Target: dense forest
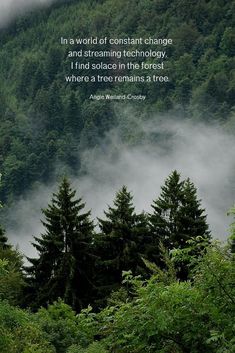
<point>149,282</point>
<point>128,281</point>
<point>46,123</point>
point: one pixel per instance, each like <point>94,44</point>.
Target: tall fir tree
<point>3,239</point>
<point>120,241</point>
<point>12,282</point>
<point>72,117</point>
<point>192,216</point>
<point>64,266</point>
<point>232,231</point>
<point>177,214</point>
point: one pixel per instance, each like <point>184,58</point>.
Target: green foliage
<point>177,317</point>
<point>11,276</point>
<point>3,239</point>
<point>63,268</point>
<point>177,218</point>
<point>232,236</point>
<point>59,324</point>
<point>19,333</point>
<point>64,329</point>
<point>161,314</point>
<point>44,123</point>
<point>95,347</point>
<point>121,241</point>
<point>168,273</point>
<point>87,327</point>
<point>215,276</point>
<point>35,99</point>
<point>3,267</point>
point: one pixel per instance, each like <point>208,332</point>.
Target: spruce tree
<point>232,231</point>
<point>177,214</point>
<point>72,118</point>
<point>63,268</point>
<point>191,216</point>
<point>121,240</point>
<point>3,239</point>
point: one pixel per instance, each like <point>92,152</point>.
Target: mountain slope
<point>45,122</point>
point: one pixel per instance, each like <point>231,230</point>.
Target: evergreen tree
<point>73,120</point>
<point>38,81</point>
<point>232,231</point>
<point>163,222</point>
<point>177,214</point>
<point>232,244</point>
<point>3,239</point>
<point>12,279</point>
<point>191,216</point>
<point>121,239</point>
<point>55,109</point>
<point>63,268</point>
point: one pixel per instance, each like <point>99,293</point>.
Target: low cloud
<point>9,9</point>
<point>203,153</point>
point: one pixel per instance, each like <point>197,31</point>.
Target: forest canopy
<point>129,281</point>
<point>45,122</point>
<point>144,283</point>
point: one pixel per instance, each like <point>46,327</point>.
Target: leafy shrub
<point>95,347</point>
<point>63,328</point>
<point>19,333</point>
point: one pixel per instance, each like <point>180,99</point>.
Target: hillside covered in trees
<point>149,282</point>
<point>46,123</point>
<point>154,281</point>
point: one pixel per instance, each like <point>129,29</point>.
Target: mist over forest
<point>11,9</point>
<point>49,127</point>
<point>204,153</point>
<point>117,230</point>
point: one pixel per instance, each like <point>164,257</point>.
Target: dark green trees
<point>177,214</point>
<point>232,231</point>
<point>3,239</point>
<point>73,120</point>
<point>202,86</point>
<point>121,239</point>
<point>192,216</point>
<point>63,268</point>
<point>11,276</point>
<point>82,267</point>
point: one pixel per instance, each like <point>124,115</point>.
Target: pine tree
<point>55,107</point>
<point>191,216</point>
<point>232,231</point>
<point>63,268</point>
<point>122,236</point>
<point>73,120</point>
<point>233,244</point>
<point>177,214</point>
<point>165,209</point>
<point>3,239</point>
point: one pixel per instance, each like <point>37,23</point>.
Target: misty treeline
<point>148,282</point>
<point>45,123</point>
<point>128,282</point>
